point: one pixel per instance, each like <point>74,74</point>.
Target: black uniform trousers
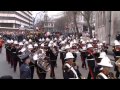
<point>7,55</point>
<point>91,66</point>
<point>32,69</point>
<point>0,49</point>
<point>41,73</point>
<point>83,56</point>
<point>53,64</point>
<point>11,59</point>
<point>75,57</point>
<point>62,56</point>
<point>15,61</point>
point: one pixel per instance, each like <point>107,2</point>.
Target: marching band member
<point>83,53</point>
<point>7,46</point>
<point>35,47</point>
<point>98,68</point>
<point>90,41</point>
<point>106,64</point>
<point>11,52</point>
<point>40,71</point>
<point>15,54</point>
<point>105,47</point>
<point>116,51</point>
<point>69,71</point>
<point>48,48</point>
<point>62,52</point>
<point>53,53</point>
<point>96,50</point>
<point>74,49</point>
<point>90,61</point>
<point>20,48</point>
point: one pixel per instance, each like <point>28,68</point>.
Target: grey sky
<point>50,13</point>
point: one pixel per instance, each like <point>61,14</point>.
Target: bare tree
<point>88,15</point>
<point>60,24</point>
<point>39,19</point>
<point>72,17</point>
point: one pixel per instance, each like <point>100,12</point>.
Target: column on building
<point>14,25</point>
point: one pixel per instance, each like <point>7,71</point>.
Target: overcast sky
<point>50,13</point>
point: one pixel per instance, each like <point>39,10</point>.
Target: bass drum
<point>44,64</point>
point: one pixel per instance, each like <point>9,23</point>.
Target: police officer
<point>25,71</point>
<point>29,51</point>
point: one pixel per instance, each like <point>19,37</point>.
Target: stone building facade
<point>15,19</point>
<point>107,25</point>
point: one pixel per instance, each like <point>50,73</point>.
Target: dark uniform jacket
<point>25,72</point>
<point>101,76</point>
<point>90,55</point>
<point>52,55</point>
<point>69,73</point>
<point>14,53</point>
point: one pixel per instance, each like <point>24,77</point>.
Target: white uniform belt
<point>90,59</point>
<point>14,52</point>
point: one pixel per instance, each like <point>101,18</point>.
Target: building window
<point>6,24</point>
<point>45,24</point>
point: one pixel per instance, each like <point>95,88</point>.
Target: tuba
<point>43,62</point>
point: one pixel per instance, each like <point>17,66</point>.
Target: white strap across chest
<point>72,69</point>
<point>103,75</point>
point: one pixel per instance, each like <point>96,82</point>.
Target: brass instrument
<point>43,62</point>
<point>96,50</point>
<point>111,76</point>
<point>54,50</point>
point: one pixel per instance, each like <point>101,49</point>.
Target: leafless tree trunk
<point>75,21</point>
<point>88,15</point>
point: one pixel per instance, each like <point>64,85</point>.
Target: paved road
<point>5,68</point>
